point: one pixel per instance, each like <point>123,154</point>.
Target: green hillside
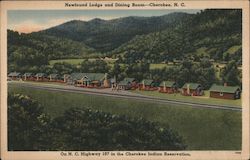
<point>106,35</point>
<point>28,50</point>
<point>213,34</point>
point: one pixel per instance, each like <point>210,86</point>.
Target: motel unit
<point>147,85</point>
<point>41,77</point>
<point>192,89</point>
<point>14,76</point>
<point>127,84</point>
<point>28,76</point>
<point>168,87</point>
<point>54,77</point>
<point>225,92</point>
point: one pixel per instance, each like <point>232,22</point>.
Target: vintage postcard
<point>124,80</point>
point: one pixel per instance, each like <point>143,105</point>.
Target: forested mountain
<point>105,35</point>
<point>37,49</point>
<point>214,34</point>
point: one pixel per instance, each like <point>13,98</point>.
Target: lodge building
<point>89,80</point>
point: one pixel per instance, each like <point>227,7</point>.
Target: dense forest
<point>210,33</point>
<point>195,41</point>
<point>215,34</point>
<point>29,50</point>
<point>106,35</point>
<point>31,129</point>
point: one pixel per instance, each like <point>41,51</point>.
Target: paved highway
<point>126,95</point>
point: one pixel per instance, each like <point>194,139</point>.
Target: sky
<point>26,21</point>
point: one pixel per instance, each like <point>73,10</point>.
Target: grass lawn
<point>51,83</point>
<point>202,50</point>
<point>161,65</point>
<point>202,99</point>
<point>71,61</point>
<point>233,49</point>
<point>202,129</point>
<point>157,65</point>
<point>78,61</point>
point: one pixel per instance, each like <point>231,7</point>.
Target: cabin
<point>14,76</point>
<point>58,78</point>
<point>65,78</point>
<point>113,83</point>
<point>168,87</point>
<point>28,77</point>
<point>54,77</point>
<point>89,80</point>
<point>147,85</point>
<point>225,92</point>
<point>192,89</point>
<point>41,77</point>
<point>127,84</point>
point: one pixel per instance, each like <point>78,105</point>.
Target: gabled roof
<point>123,83</point>
<point>88,76</point>
<point>129,79</point>
<point>191,85</point>
<point>126,81</point>
<point>40,75</point>
<point>147,82</point>
<point>225,89</point>
<point>65,75</point>
<point>54,75</point>
<point>113,80</point>
<point>14,74</point>
<point>27,74</point>
<point>167,83</point>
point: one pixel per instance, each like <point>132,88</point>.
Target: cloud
<point>33,26</point>
<point>26,27</point>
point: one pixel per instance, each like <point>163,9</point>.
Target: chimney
<point>106,83</point>
<point>106,76</point>
<point>143,84</point>
<point>188,89</point>
<point>164,88</point>
<point>64,78</point>
<point>225,84</point>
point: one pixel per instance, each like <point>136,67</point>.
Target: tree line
<point>203,72</point>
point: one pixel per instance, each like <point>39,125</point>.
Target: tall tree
<point>27,124</point>
<point>230,74</point>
